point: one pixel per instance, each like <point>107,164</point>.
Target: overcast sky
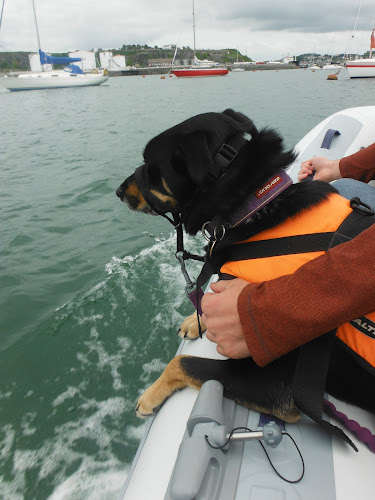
<point>262,29</point>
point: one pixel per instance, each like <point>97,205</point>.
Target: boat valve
<point>271,435</point>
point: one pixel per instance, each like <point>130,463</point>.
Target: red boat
<point>199,68</point>
<point>191,72</point>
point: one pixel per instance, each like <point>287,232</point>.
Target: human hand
<point>220,316</point>
<point>322,168</point>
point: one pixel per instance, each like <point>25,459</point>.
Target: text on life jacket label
<point>270,185</point>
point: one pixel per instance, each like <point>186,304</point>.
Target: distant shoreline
<point>165,70</point>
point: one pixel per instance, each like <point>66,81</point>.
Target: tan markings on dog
<point>163,197</point>
<point>171,380</point>
<point>133,191</point>
<point>166,187</point>
<point>287,412</point>
<point>189,328</point>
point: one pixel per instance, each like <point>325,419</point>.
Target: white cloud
<point>267,30</point>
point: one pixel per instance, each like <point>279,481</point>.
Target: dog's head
<point>203,167</point>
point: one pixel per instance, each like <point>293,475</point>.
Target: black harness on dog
<point>313,360</point>
<point>221,162</point>
<point>311,371</point>
<point>310,375</point>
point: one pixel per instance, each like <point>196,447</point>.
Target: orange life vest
<point>359,334</point>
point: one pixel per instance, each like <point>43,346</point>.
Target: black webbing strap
<point>309,382</point>
<point>313,359</point>
<point>310,375</point>
<point>355,223</point>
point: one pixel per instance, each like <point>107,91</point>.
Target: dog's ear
<point>242,121</point>
<point>193,157</point>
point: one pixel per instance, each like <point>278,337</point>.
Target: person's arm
<point>280,315</point>
<point>266,320</point>
<point>360,165</point>
<point>321,168</point>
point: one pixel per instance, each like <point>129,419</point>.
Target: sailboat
<point>331,66</point>
<point>70,76</point>
<point>365,67</point>
<point>200,68</point>
<point>237,69</point>
<point>313,66</point>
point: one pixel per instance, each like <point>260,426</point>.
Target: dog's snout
<point>129,193</point>
<point>120,191</point>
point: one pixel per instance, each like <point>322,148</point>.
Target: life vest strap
<point>353,224</point>
<point>313,359</point>
<point>310,379</point>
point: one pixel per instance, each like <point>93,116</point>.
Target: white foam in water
<point>99,475</point>
<point>106,360</point>
<point>26,424</point>
<point>100,486</point>
<point>136,432</point>
<point>68,394</point>
<point>7,442</point>
<point>154,366</point>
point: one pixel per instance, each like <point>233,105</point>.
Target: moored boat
<point>333,67</point>
<point>71,76</point>
<point>361,68</point>
<point>364,67</point>
<point>200,68</point>
<point>68,77</point>
<point>197,71</point>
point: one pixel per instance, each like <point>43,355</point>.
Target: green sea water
<point>90,294</point>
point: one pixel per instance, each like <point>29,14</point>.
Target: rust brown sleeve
<point>360,165</point>
<point>280,315</point>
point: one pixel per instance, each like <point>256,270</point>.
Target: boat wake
<point>77,433</point>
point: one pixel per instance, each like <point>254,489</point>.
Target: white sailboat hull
<point>52,80</point>
<point>361,68</point>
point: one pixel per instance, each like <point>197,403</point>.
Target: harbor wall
<point>166,70</point>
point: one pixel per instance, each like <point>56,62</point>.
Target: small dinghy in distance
<point>174,460</point>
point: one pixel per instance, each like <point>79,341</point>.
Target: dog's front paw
<point>189,329</point>
<point>147,406</point>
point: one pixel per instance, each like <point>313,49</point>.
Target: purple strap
<point>362,433</point>
<point>273,186</point>
<point>195,297</point>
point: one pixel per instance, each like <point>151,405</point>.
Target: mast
<point>194,31</point>
<point>37,31</point>
<point>2,12</point>
<point>354,28</point>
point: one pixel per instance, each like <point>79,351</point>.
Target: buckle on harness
<point>224,158</point>
<point>360,206</point>
<point>228,152</point>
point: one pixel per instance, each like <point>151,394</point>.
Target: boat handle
<point>328,138</point>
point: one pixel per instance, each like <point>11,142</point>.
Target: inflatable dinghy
<point>175,460</point>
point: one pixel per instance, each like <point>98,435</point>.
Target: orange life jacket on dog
<point>358,335</point>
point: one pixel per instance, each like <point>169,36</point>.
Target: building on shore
<point>112,63</point>
<point>160,63</point>
<point>289,60</point>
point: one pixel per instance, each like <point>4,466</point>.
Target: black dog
<point>202,170</point>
